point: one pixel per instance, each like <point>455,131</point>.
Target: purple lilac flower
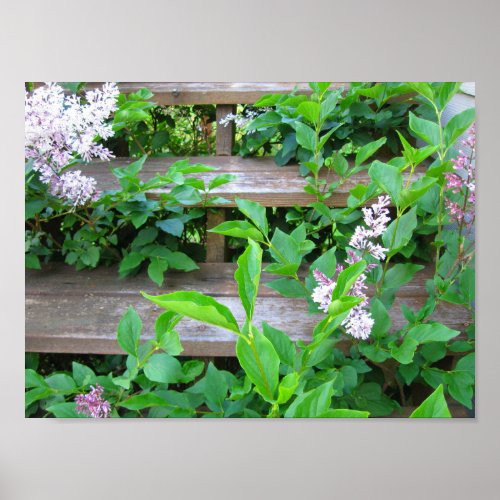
<point>60,128</point>
<point>92,404</point>
<point>359,322</point>
<point>463,180</point>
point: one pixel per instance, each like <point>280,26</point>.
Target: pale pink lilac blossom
<point>463,180</point>
<point>60,128</point>
<point>92,404</point>
<point>359,322</point>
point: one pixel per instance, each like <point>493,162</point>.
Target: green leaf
<point>417,189</point>
<point>310,111</point>
<point>173,226</point>
<point>434,351</point>
<point>61,382</point>
<point>288,287</point>
<point>409,372</point>
<point>281,342</point>
<point>342,305</point>
<point>255,212</point>
<point>405,352</point>
<point>422,88</point>
<point>433,407</point>
<point>326,263</point>
<point>340,164</point>
<point>32,261</point>
<point>179,260</point>
<point>156,269</point>
<point>432,332</point>
<point>424,129</point>
<point>65,410</point>
<point>83,375</point>
<point>33,379</point>
<point>129,331</point>
<point>400,274</point>
<point>382,320</point>
<point>144,400</point>
<point>163,368</point>
<point>265,120</point>
<point>374,353</point>
<point>197,306</point>
<point>346,279</point>
<point>306,136</point>
<point>220,180</point>
<point>247,276</point>
<point>458,125</point>
<point>368,150</point>
<point>145,237</point>
<point>131,262</point>
<point>387,178</point>
<point>311,404</point>
<point>344,413</point>
<point>404,232</point>
<point>328,106</point>
<point>238,229</point>
<point>260,361</point>
<point>216,386</point>
<point>287,387</point>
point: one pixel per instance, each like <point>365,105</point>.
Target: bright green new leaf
<point>405,352</point>
<point>260,361</point>
<point>311,404</point>
<point>433,407</point>
<point>388,178</point>
<point>310,111</point>
<point>347,277</point>
<point>238,229</point>
<point>458,125</point>
<point>306,136</point>
<point>163,368</point>
<point>197,306</point>
<point>399,234</point>
<point>247,276</point>
<point>255,212</point>
<point>424,129</point>
<point>368,150</point>
<point>344,413</point>
<point>287,387</point>
<point>432,332</point>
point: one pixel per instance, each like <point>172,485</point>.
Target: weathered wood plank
<point>216,243</point>
<point>224,137</point>
<point>188,93</point>
<point>78,312</point>
<point>257,179</point>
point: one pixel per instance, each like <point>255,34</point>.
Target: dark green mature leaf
<point>172,226</point>
<point>260,361</point>
<point>417,189</point>
<point>388,178</point>
<point>255,212</point>
<point>381,317</point>
<point>83,375</point>
<point>238,229</point>
<point>131,262</point>
<point>311,404</point>
<point>432,332</point>
<point>156,268</point>
<point>247,276</point>
<point>129,331</point>
<point>433,407</point>
<point>400,274</point>
<point>368,150</point>
<point>197,306</point>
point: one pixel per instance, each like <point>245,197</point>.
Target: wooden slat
<point>78,312</point>
<point>257,179</point>
<point>216,243</point>
<point>171,93</point>
<point>224,137</point>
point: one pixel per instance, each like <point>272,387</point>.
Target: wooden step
<point>70,311</point>
<point>188,93</point>
<point>257,179</point>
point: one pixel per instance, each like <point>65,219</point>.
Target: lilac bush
<point>61,128</point>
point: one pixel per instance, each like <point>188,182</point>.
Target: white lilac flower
<point>60,128</point>
<point>359,321</point>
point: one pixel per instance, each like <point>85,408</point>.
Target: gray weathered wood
<point>257,179</point>
<point>78,312</point>
<point>216,243</point>
<point>224,137</point>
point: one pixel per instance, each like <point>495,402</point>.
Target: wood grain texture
<point>224,137</point>
<point>78,312</point>
<point>257,179</point>
<point>187,93</point>
<point>216,243</point>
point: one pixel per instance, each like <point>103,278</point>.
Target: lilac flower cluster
<point>60,128</point>
<point>92,404</point>
<point>359,322</point>
<point>242,119</point>
<point>463,180</point>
